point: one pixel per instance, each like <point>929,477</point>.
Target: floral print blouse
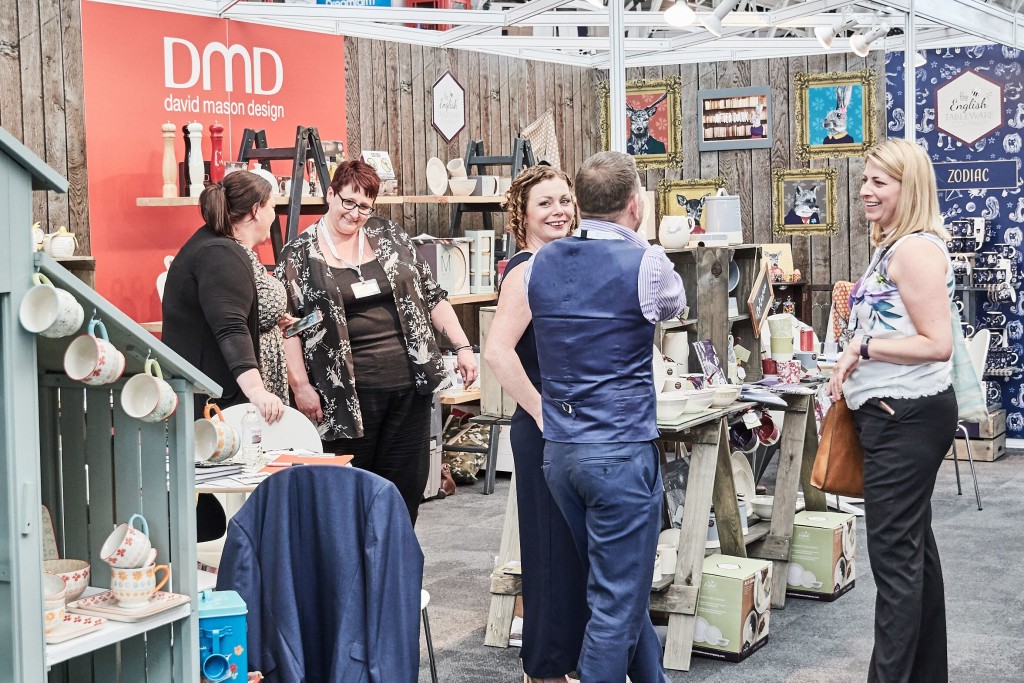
<point>326,349</point>
<point>272,304</point>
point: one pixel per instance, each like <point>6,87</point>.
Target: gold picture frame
<point>657,103</point>
<point>835,114</point>
<point>804,202</point>
<point>686,197</point>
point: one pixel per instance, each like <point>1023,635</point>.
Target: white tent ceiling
<point>756,30</point>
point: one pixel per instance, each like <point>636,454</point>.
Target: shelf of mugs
<point>111,632</point>
<point>1003,373</point>
<point>281,200</point>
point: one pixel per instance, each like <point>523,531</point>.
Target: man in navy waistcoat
<point>594,299</point>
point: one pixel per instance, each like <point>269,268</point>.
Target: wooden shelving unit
<point>313,202</point>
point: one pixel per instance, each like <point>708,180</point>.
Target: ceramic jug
<point>60,244</point>
<point>722,213</point>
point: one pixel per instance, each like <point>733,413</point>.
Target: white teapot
<point>674,232</point>
<point>60,244</point>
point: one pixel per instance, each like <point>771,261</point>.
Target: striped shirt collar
<point>608,230</point>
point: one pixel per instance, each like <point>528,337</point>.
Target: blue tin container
<point>223,643</point>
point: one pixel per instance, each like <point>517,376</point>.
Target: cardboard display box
<point>982,450</point>
<point>822,555</point>
<point>733,607</point>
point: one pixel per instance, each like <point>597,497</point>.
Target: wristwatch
<point>864,347</point>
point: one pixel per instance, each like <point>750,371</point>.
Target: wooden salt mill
<point>170,168</point>
<point>216,152</point>
<point>196,170</point>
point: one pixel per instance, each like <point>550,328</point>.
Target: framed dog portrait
<point>686,197</point>
<point>654,122</point>
<point>835,114</point>
<point>735,118</point>
<point>804,202</point>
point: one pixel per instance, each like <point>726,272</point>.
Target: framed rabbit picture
<point>835,114</point>
<point>735,118</point>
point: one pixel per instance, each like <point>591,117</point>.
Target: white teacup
<point>674,231</point>
<point>93,359</point>
<point>216,440</point>
<point>54,592</point>
<point>127,546</point>
<point>667,558</point>
<point>456,168</point>
<point>133,587</point>
<point>488,185</point>
<point>49,311</point>
<point>147,396</point>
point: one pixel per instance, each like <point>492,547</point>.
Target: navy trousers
<point>554,582</point>
<point>611,497</point>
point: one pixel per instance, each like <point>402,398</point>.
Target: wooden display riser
<point>982,450</point>
<point>990,428</point>
<point>710,481</point>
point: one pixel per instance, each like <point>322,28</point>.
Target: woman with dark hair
<point>210,303</point>
<point>555,613</point>
<point>366,372</point>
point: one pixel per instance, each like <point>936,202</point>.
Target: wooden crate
<point>983,450</point>
<point>991,428</point>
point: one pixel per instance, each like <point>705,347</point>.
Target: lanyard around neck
<point>334,250</point>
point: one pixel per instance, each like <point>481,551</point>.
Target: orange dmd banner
<point>144,68</point>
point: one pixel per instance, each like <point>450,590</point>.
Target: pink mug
<point>127,546</point>
<point>92,359</point>
<point>790,372</point>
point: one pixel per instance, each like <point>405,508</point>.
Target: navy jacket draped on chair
<point>328,564</point>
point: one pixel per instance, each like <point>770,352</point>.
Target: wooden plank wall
<point>389,108</point>
<point>823,260</point>
<point>41,101</point>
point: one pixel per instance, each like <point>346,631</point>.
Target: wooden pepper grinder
<point>170,168</point>
<point>216,152</point>
<point>184,161</point>
<point>196,171</point>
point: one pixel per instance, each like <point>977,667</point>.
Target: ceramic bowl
<point>54,587</point>
<point>672,404</point>
<point>734,275</point>
<point>762,506</point>
<point>725,396</point>
<point>699,400</point>
<point>75,574</point>
<point>462,187</point>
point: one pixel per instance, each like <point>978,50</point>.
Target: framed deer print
<point>686,197</point>
<point>835,114</point>
<point>654,121</point>
<point>734,118</point>
<point>804,202</point>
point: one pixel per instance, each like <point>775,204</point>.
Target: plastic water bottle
<point>252,437</point>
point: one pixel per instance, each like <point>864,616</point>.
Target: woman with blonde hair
<point>541,209</point>
<point>896,377</point>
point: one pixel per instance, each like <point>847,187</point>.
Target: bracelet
<point>464,346</point>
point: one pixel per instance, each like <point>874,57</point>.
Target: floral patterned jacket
<point>310,285</point>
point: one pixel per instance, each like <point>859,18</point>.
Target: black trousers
<point>395,442</point>
<point>902,454</point>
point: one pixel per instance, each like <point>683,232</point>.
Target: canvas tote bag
<point>839,463</point>
<point>970,401</point>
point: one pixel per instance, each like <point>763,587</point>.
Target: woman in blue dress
<point>541,209</point>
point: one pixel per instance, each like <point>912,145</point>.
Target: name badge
<point>361,290</point>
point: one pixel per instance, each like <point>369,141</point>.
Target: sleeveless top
<point>876,309</point>
<point>526,348</point>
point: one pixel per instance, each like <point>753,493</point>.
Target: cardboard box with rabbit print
<point>822,555</point>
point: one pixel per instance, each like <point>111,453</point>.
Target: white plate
<point>743,476</point>
<point>74,625</point>
<point>460,269</point>
<point>105,605</point>
<point>437,176</point>
<point>50,551</point>
<point>660,371</point>
<point>293,430</point>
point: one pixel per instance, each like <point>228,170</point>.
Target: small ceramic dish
<point>75,574</point>
<point>762,505</point>
<point>699,400</point>
<point>725,396</point>
<point>672,404</point>
<point>462,187</point>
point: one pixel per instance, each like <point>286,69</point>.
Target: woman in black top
<point>555,613</point>
<point>366,373</point>
<point>210,305</point>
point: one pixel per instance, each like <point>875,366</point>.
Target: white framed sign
<point>969,107</point>
<point>379,162</point>
<point>449,106</point>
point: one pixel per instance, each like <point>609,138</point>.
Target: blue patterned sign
<point>977,175</point>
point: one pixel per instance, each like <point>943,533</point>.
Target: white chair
<point>977,349</point>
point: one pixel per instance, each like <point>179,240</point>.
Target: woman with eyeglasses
<point>366,372</point>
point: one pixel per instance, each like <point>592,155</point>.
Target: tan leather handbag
<point>839,463</point>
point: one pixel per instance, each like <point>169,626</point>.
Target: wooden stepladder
<point>307,147</point>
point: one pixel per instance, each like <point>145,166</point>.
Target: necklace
<point>358,267</point>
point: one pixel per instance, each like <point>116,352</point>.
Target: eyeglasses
<point>348,205</point>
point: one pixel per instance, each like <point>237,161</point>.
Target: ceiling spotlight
<point>919,60</point>
<point>680,15</point>
<point>827,34</point>
<point>861,42</point>
<point>713,22</point>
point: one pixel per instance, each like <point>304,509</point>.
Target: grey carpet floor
<point>809,641</point>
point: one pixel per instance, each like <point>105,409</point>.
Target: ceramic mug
<point>216,440</point>
<point>808,359</point>
<point>456,168</point>
<point>49,311</point>
<point>995,319</point>
<point>790,372</point>
<point>667,558</point>
<point>488,185</point>
<point>93,359</point>
<point>127,546</point>
<point>134,586</point>
<point>54,592</point>
<point>674,231</point>
<point>147,396</point>
<point>768,433</point>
